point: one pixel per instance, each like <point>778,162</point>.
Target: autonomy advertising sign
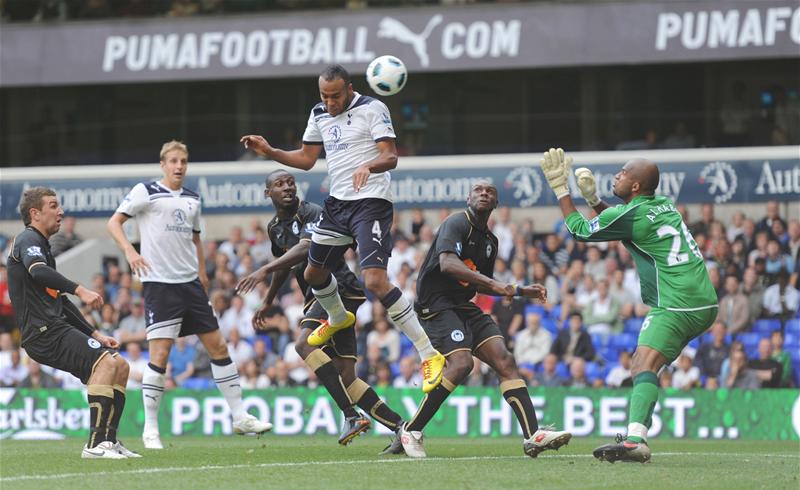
<point>729,181</point>
<point>430,39</point>
<point>469,411</point>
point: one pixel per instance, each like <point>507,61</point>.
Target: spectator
<point>754,290</point>
<point>383,375</point>
<point>735,116</point>
<point>601,314</point>
<point>686,376</point>
<point>782,357</point>
<point>14,372</point>
<point>648,141</point>
<point>263,356</point>
<point>276,327</point>
<point>7,321</point>
<point>280,376</point>
<point>548,376</point>
<point>261,250</point>
<point>402,253</point>
<point>238,317</point>
<point>554,255</point>
<point>573,341</point>
<point>665,380</point>
<point>504,229</point>
<point>793,243</point>
<point>252,378</point>
<point>577,374</point>
<point>507,313</point>
<point>298,369</point>
<point>137,364</point>
<point>37,378</point>
<point>710,355</point>
<point>133,328</point>
<point>533,343</point>
<point>541,275</point>
<point>769,371</point>
<point>620,375</point>
<point>704,225</point>
<point>735,227</point>
<point>179,362</point>
<point>240,351</point>
<point>621,295</point>
<point>594,265</point>
<point>501,271</point>
<point>773,213</point>
<point>409,374</point>
<point>230,246</point>
<point>386,339</point>
<point>679,138</point>
<point>108,319</point>
<point>734,309</point>
<point>740,375</point>
<point>759,250</point>
<point>776,259</point>
<point>781,300</point>
<point>66,238</point>
<point>417,222</point>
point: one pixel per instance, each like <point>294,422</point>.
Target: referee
<point>54,331</point>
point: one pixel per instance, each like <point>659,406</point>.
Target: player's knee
<point>302,347</point>
<point>123,369</point>
<point>108,364</point>
<point>314,276</point>
<point>377,282</point>
<point>459,365</point>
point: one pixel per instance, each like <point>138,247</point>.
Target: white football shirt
<point>167,221</point>
<point>349,140</point>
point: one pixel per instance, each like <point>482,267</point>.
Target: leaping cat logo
<point>394,29</point>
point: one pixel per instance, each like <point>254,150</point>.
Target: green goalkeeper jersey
<point>672,272</point>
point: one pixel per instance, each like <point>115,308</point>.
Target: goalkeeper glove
<point>555,166</point>
<point>587,185</point>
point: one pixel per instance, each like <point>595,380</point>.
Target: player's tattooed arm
<point>450,264</point>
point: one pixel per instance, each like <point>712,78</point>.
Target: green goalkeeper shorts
<point>668,331</point>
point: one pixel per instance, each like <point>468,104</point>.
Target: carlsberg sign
<point>469,411</point>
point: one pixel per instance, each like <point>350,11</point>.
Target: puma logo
<point>151,397</point>
<point>394,29</point>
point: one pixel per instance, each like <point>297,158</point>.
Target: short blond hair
<point>172,145</point>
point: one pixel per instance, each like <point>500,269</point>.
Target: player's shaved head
<point>638,177</point>
<point>646,173</point>
<point>274,175</point>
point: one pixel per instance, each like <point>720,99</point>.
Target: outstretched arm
<point>281,266</point>
<point>304,158</point>
<point>450,264</point>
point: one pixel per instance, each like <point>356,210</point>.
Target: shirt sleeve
<point>196,222</point>
<point>451,235</point>
<point>310,217</point>
<point>30,250</point>
<point>380,121</point>
<point>612,224</point>
<point>312,135</point>
<point>135,202</point>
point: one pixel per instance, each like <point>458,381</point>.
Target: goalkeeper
<point>672,273</point>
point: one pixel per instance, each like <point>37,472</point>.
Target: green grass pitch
<point>233,463</point>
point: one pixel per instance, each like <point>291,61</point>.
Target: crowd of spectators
<point>583,337</point>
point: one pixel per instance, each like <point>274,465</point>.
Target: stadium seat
<point>610,354</point>
<point>550,326</point>
<point>749,339</point>
<point>538,309</point>
<point>694,343</point>
<point>198,384</point>
<point>633,325</point>
<point>624,341</point>
<point>793,326</point>
<point>593,371</point>
<point>267,340</point>
<point>792,340</point>
<point>562,370</point>
<point>555,312</point>
<point>599,340</point>
<point>766,325</point>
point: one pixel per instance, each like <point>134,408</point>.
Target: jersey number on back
<point>675,257</point>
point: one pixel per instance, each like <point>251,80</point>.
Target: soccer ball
<point>387,75</point>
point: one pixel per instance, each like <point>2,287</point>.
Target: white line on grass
<point>60,476</point>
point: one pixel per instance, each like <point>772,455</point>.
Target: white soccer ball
<point>387,75</point>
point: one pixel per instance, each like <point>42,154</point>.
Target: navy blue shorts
<point>367,222</point>
<point>177,310</point>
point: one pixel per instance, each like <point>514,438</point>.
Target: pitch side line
<point>60,476</point>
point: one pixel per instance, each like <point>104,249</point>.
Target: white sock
<point>152,390</point>
<point>637,430</point>
<point>227,379</point>
<point>402,315</point>
<point>330,300</point>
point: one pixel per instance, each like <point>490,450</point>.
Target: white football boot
<point>104,450</point>
<point>412,443</point>
<point>152,440</point>
<point>545,438</point>
<point>250,425</point>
